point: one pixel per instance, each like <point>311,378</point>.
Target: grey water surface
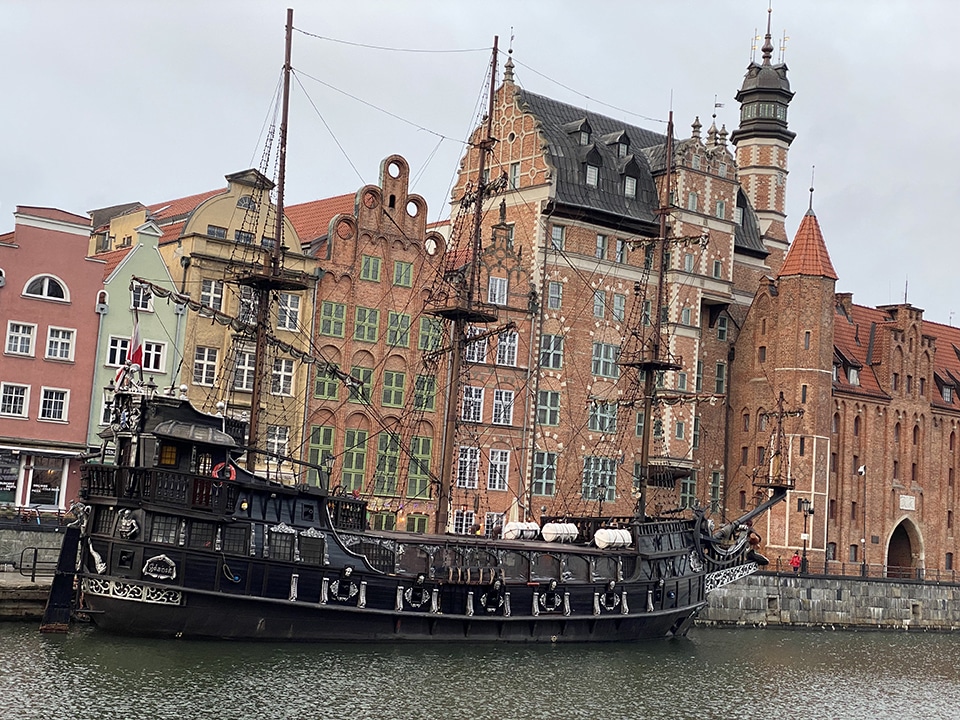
<point>712,673</point>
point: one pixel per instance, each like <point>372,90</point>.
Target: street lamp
<point>862,472</point>
<point>806,507</point>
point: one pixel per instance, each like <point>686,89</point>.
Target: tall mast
<point>271,268</point>
<point>463,313</point>
<point>653,362</point>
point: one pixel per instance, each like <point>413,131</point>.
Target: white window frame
<point>118,348</point>
<point>281,377</point>
<point>44,295</point>
<point>629,186</point>
<point>64,399</point>
<point>601,248</point>
<point>498,470</point>
<point>619,306</point>
<point>205,365</point>
<point>472,404</point>
<point>475,352</point>
<point>141,298</point>
<point>497,290</point>
<point>514,175</point>
<point>243,370</point>
<point>507,348</point>
<point>154,356</point>
<point>278,439</point>
<point>24,330</point>
<point>463,520</point>
<point>592,175</point>
<point>211,293</point>
<point>468,467</point>
<point>503,406</point>
<point>67,340</point>
<point>25,401</point>
<point>288,312</point>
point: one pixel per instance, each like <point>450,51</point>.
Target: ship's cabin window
<point>168,455</point>
<point>516,566</point>
<point>308,512</point>
<point>204,464</point>
<point>164,529</point>
<point>103,521</point>
<point>545,567</point>
<point>605,568</point>
<point>125,559</point>
<point>576,568</point>
<point>201,535</point>
<point>281,545</point>
<point>236,540</point>
<point>311,550</point>
<point>415,559</point>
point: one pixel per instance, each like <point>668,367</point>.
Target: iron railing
<point>871,571</point>
<point>38,562</point>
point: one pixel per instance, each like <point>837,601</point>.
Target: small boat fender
<point>222,470</point>
<point>612,538</point>
<point>559,532</point>
<point>520,531</point>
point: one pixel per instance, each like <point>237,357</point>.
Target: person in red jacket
<point>795,562</point>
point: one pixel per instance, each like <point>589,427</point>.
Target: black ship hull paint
<point>212,616</point>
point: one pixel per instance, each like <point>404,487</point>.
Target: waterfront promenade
<point>21,598</point>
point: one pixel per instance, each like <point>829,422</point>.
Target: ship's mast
<point>270,276</point>
<point>463,312</point>
<point>652,360</point>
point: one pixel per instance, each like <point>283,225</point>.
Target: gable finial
<point>767,48</point>
<point>813,169</point>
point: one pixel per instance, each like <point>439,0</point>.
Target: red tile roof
<point>311,219</point>
<point>112,259</point>
<point>808,253</point>
<point>171,232</point>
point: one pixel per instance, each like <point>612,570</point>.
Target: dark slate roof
<point>747,237</point>
<point>560,124</point>
<point>101,216</point>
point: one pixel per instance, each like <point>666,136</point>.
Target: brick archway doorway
<point>903,550</point>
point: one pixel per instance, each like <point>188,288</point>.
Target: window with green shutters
<point>425,393</point>
<point>418,479</point>
<point>398,330</point>
<point>321,445</point>
<point>393,385</point>
<point>367,324</point>
<point>370,268</point>
<point>354,460</point>
<point>403,274</point>
<point>332,317</point>
<point>431,334</point>
<point>544,473</point>
<point>548,407</point>
<point>417,523</point>
<point>361,393</point>
<point>327,384</point>
<point>388,454</point>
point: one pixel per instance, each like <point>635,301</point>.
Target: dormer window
<point>948,394</point>
<point>622,149</point>
<point>853,376</point>
<point>629,186</point>
<point>585,137</point>
<point>593,175</point>
<point>836,373</point>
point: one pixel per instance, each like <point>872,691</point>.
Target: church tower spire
<point>762,142</point>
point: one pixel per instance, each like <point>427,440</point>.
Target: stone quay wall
<point>13,541</point>
<point>834,602</point>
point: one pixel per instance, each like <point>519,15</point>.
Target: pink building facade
<point>49,321</point>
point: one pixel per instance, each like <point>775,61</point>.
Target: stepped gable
<point>560,124</point>
<point>808,252</point>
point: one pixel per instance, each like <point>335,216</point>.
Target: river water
<point>713,673</point>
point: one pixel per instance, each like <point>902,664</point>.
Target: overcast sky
<point>105,102</point>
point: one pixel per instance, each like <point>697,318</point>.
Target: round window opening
<point>394,170</point>
<point>412,209</point>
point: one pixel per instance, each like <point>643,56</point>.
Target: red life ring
<point>231,471</point>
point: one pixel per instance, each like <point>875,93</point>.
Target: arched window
<point>246,202</point>
<point>836,423</point>
<point>896,433</point>
<point>916,434</point>
<point>953,440</point>
<point>856,426</point>
<point>46,286</point>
